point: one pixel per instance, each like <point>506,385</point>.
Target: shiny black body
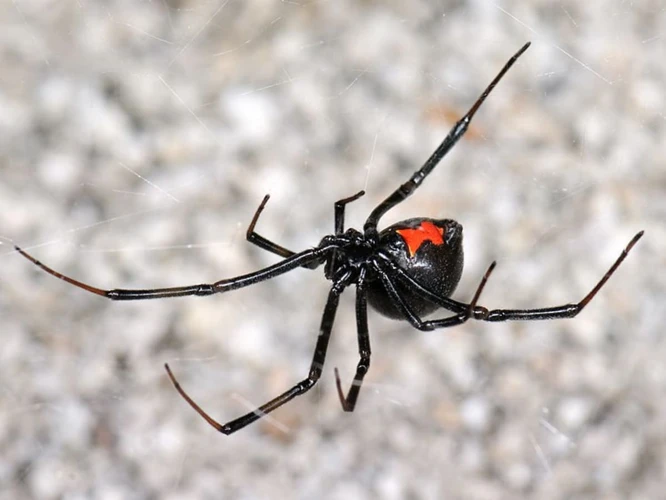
<point>438,267</point>
<point>406,271</point>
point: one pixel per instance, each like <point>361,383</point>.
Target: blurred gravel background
<point>136,141</point>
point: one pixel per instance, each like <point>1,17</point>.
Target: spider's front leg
<point>302,259</point>
<point>302,387</point>
<point>455,134</point>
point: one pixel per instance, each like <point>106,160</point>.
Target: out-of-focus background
<point>138,138</point>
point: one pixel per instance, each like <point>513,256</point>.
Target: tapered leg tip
<point>635,239</point>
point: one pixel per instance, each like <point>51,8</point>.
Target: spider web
<point>137,140</point>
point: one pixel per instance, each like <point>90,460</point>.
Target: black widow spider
<point>406,271</point>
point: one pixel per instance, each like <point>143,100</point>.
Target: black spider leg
<point>445,302</point>
<point>481,313</point>
<point>454,135</point>
<point>302,387</point>
<point>317,254</point>
<point>349,402</point>
<point>264,243</point>
<point>564,311</point>
<point>418,323</point>
<point>339,223</point>
<point>339,211</point>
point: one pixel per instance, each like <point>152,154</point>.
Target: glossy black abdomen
<point>428,250</point>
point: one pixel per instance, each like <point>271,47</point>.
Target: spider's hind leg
<point>563,311</point>
<point>302,387</point>
<point>471,311</point>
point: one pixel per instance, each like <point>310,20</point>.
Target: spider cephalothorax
<point>406,271</point>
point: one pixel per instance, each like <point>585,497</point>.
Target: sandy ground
<point>137,139</point>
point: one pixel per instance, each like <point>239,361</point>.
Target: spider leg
<point>256,239</point>
<point>445,302</point>
<point>564,311</point>
<point>339,211</point>
<point>260,241</point>
<point>449,141</point>
<point>430,325</point>
<point>302,387</point>
<point>349,402</point>
<point>339,222</point>
<point>301,259</point>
